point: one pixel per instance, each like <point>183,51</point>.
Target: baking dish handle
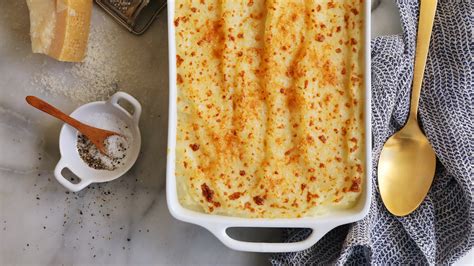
<point>137,108</point>
<point>66,183</point>
<point>221,233</point>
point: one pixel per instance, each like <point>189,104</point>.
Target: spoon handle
<point>425,26</point>
<point>49,109</point>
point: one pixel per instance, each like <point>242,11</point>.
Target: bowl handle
<point>220,232</point>
<point>66,183</point>
<point>137,108</point>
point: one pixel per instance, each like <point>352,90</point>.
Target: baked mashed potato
<point>270,106</point>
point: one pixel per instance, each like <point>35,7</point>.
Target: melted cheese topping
<point>270,106</point>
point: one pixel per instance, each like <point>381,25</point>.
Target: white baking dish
<point>218,224</point>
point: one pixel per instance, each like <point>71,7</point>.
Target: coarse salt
<point>117,147</point>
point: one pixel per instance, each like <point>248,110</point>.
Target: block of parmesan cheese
<point>60,28</point>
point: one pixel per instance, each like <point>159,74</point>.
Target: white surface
<point>385,19</point>
<point>125,221</point>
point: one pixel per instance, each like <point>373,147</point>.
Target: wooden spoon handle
<point>49,109</point>
<point>425,27</point>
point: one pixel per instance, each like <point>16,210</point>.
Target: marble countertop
<point>125,221</point>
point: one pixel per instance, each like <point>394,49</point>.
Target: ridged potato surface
<point>270,106</point>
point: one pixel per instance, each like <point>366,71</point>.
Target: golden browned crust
<point>270,106</point>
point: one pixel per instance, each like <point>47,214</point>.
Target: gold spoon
<point>407,162</point>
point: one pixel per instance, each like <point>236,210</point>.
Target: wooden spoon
<point>96,135</point>
<point>407,162</point>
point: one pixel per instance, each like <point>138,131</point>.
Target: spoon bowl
<point>407,171</point>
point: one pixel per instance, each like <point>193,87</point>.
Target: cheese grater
<point>135,15</point>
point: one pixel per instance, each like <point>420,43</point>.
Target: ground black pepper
<point>94,159</point>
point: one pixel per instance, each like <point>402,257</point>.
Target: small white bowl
<point>70,157</point>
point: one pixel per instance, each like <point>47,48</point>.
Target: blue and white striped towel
<point>441,229</point>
